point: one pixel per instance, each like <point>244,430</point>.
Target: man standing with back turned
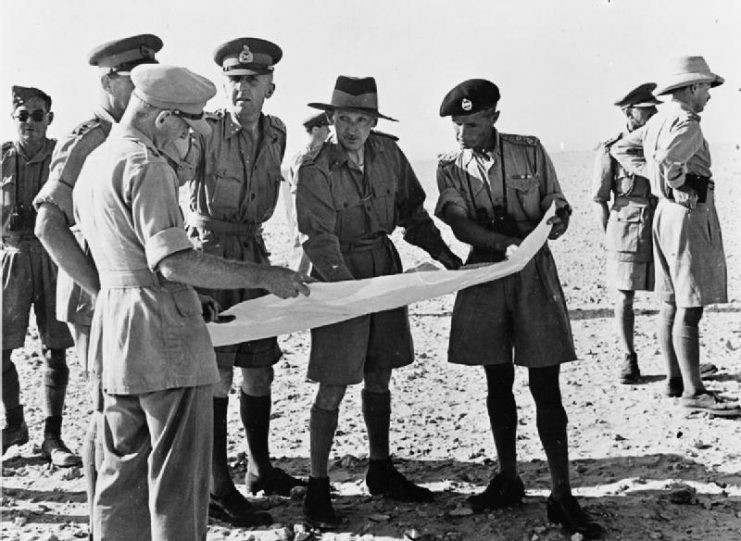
<point>671,151</point>
<point>627,225</point>
<point>158,360</point>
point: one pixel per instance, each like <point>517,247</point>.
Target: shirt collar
<point>46,149</point>
<point>682,106</point>
<point>130,132</point>
<point>470,154</point>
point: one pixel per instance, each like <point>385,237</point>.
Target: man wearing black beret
<point>494,191</point>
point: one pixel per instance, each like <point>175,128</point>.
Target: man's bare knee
<point>377,381</point>
<point>257,381</point>
<point>329,397</point>
<point>224,385</point>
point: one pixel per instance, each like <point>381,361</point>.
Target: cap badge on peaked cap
<point>246,56</point>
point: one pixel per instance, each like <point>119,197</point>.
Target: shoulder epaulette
<point>7,145</point>
<point>528,140</point>
<point>446,158</point>
<point>607,143</point>
<point>213,115</point>
<point>310,156</point>
<point>276,123</point>
<point>384,134</point>
<point>86,127</point>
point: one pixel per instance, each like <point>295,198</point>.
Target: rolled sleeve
<point>165,243</point>
<point>449,193</point>
<point>58,194</point>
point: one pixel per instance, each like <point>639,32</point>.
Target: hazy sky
<point>559,64</point>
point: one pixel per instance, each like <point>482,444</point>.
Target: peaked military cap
<point>470,97</point>
<point>122,55</point>
<point>640,96</point>
<point>21,94</point>
<point>174,89</point>
<point>247,56</point>
<point>354,93</point>
<point>316,121</point>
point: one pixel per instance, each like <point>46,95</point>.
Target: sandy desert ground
<point>641,465</point>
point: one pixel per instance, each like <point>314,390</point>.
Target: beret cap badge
<point>466,104</point>
<point>246,56</point>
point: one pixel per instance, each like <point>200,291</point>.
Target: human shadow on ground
<point>640,487</point>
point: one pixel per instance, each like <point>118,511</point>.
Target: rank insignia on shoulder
<point>86,127</point>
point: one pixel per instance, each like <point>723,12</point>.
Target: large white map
<point>338,301</point>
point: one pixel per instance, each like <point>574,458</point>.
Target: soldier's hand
<point>559,222</point>
<point>285,283</point>
<point>210,309</point>
<point>449,260</point>
<point>686,196</point>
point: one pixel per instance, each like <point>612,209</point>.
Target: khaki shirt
<point>229,185</point>
<point>73,304</point>
<point>670,145</point>
<point>341,208</point>
<point>23,177</point>
<point>148,331</point>
<point>610,179</point>
<point>473,180</point>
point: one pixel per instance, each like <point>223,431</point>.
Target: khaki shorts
<point>521,318</point>
<point>689,256</point>
<point>630,275</point>
<point>30,279</point>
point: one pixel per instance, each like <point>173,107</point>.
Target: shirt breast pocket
<point>526,189</point>
<point>227,189</point>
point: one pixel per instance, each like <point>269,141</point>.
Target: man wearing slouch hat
<point>350,197</point>
<point>671,151</point>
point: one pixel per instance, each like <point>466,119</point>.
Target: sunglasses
<point>38,115</point>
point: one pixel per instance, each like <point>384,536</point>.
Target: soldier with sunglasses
<point>29,276</point>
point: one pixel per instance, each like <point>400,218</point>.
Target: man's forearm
<point>59,241</point>
<point>203,270</point>
<point>603,214</point>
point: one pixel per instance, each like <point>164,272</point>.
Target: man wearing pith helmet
<point>29,277</point>
<point>55,226</point>
<point>494,190</point>
<point>158,360</point>
<point>351,196</point>
<point>233,193</point>
<point>627,224</point>
<point>671,151</point>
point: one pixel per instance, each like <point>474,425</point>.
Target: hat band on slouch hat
<point>357,94</point>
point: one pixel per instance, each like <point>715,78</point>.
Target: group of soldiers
<point>139,276</point>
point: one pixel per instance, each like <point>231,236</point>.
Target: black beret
<point>470,97</point>
<point>247,56</point>
<point>640,96</point>
<point>21,94</point>
<point>316,121</point>
<point>126,53</point>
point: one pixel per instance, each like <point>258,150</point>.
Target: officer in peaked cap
<point>233,193</point>
<point>122,55</point>
<point>689,257</point>
<point>247,56</point>
<point>158,385</point>
<point>78,278</point>
<point>494,190</point>
<point>627,224</point>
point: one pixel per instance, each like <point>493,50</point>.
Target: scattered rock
<point>298,493</point>
<point>379,517</point>
<point>682,494</point>
<point>20,522</point>
<point>461,511</point>
<point>412,534</point>
<point>577,537</point>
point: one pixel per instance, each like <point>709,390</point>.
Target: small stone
<point>540,529</point>
<point>283,534</point>
<point>71,474</point>
<point>618,437</point>
<point>577,537</point>
<point>699,444</point>
<point>412,534</point>
<point>20,522</point>
<point>379,517</point>
<point>298,493</point>
<point>461,512</point>
<point>349,461</point>
<point>682,494</point>
<point>48,537</point>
